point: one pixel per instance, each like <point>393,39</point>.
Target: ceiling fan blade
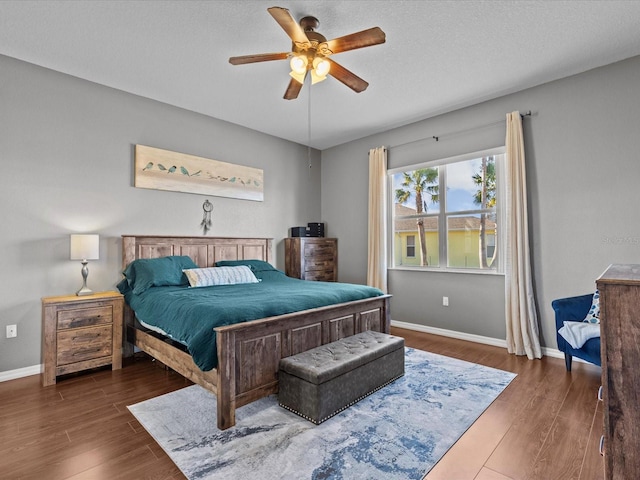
<point>365,38</point>
<point>293,90</point>
<point>350,79</point>
<point>288,24</point>
<point>259,57</point>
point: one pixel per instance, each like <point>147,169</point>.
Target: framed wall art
<point>179,172</point>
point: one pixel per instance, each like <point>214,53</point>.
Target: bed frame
<point>249,352</point>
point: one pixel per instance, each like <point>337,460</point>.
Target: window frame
<point>443,214</point>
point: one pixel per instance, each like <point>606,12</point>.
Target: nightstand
<point>81,332</point>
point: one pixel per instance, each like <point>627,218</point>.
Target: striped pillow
<point>206,277</point>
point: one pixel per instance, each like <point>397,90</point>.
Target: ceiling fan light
<point>299,64</point>
<point>315,78</point>
<point>298,77</point>
<point>321,66</point>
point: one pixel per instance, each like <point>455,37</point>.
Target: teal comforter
<point>189,315</point>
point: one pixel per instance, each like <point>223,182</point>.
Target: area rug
<point>399,432</point>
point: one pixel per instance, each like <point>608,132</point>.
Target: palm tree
<point>486,198</point>
<point>419,183</point>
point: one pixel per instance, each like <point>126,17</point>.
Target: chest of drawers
<point>312,258</point>
<point>619,288</point>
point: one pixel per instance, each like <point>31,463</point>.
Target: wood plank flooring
<point>546,425</point>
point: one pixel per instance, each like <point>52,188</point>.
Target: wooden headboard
<point>205,251</point>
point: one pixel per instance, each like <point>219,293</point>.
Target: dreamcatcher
<point>207,206</point>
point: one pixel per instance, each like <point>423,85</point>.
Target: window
<point>451,207</point>
<point>411,246</point>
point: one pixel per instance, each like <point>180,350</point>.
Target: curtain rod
<point>438,137</point>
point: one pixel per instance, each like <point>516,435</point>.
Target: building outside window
<point>447,213</point>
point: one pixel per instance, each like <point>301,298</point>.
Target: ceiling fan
<point>310,52</point>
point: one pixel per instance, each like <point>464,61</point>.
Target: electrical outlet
<point>445,301</point>
<point>12,331</point>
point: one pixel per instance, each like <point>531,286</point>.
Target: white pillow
<point>205,277</point>
<point>594,312</point>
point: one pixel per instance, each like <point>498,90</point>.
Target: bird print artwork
<point>165,170</point>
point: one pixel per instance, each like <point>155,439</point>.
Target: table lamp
<point>85,247</point>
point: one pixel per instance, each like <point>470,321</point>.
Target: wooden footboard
<point>248,353</point>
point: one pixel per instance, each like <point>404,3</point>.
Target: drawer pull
<point>602,445</point>
<point>600,393</point>
<point>84,337</point>
<point>95,317</point>
<point>80,322</point>
<point>84,352</point>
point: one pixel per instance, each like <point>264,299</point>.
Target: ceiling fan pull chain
<point>309,130</point>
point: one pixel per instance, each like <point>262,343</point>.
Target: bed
<point>248,353</point>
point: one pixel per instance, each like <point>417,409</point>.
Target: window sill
<point>471,271</point>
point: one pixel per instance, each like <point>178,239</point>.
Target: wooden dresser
<point>312,258</point>
<point>619,288</point>
<point>81,332</point>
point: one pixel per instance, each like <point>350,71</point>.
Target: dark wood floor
<point>546,425</point>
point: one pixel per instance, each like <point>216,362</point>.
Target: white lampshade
<point>315,78</point>
<point>321,66</point>
<point>320,70</point>
<point>298,64</point>
<point>85,247</point>
<point>298,77</point>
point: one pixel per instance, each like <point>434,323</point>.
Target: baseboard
<point>20,372</point>
<point>496,342</point>
<point>555,353</point>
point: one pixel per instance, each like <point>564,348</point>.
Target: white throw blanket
<point>577,333</point>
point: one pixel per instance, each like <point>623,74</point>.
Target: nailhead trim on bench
<point>318,422</point>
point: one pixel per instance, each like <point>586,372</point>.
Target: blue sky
<point>460,187</point>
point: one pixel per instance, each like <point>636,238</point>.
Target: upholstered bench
<point>323,381</point>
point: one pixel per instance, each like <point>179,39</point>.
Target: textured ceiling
<point>439,55</point>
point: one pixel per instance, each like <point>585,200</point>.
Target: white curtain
<point>523,336</point>
<point>377,244</point>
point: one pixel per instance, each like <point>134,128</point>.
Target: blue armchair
<point>575,309</point>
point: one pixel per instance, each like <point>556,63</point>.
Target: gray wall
<point>66,158</point>
<point>583,170</point>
